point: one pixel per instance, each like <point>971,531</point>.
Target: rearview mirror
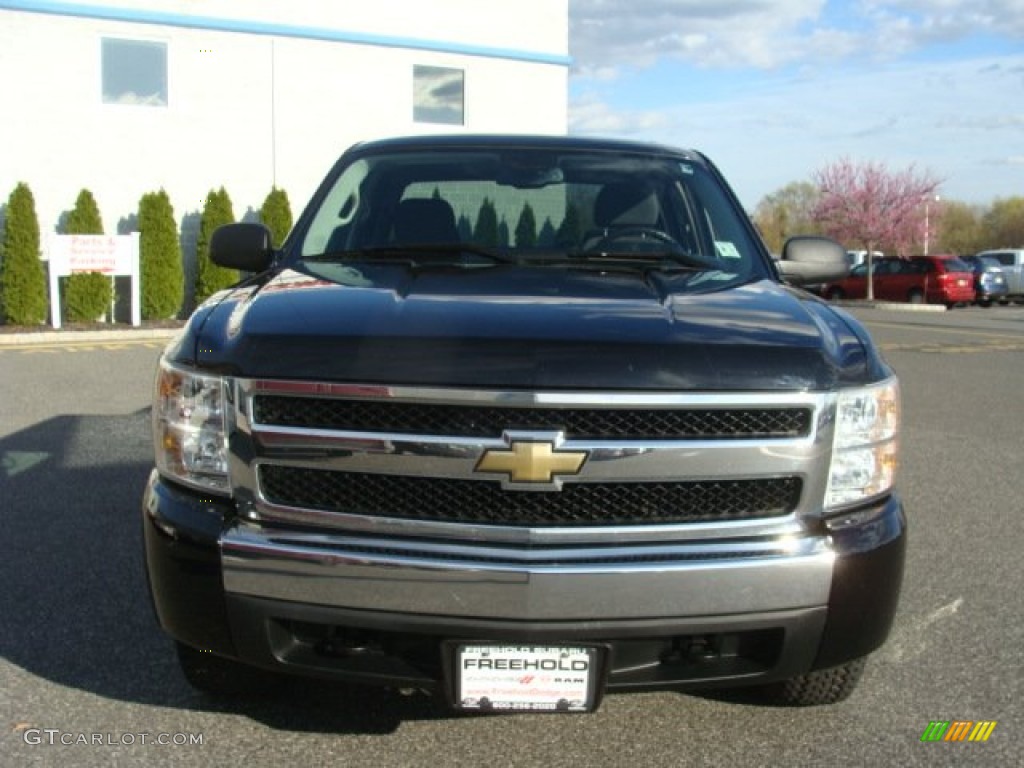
<point>808,260</point>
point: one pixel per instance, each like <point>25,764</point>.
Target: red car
<point>918,279</point>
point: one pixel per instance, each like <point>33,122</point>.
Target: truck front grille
<point>383,416</point>
<point>481,502</point>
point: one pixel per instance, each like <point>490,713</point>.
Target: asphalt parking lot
<point>86,677</point>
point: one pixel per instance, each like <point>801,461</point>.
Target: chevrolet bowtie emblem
<point>531,462</point>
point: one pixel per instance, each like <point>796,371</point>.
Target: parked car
<point>989,281</point>
<point>859,257</point>
<point>1011,260</point>
<point>918,279</point>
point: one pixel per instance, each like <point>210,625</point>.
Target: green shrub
<point>162,276</point>
<point>570,232</point>
<point>276,215</point>
<point>87,297</point>
<point>486,230</point>
<point>85,216</point>
<point>526,228</point>
<point>211,277</point>
<point>22,277</point>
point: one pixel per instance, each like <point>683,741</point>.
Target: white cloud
<point>589,114</point>
<point>607,36</point>
<point>952,118</point>
<point>636,33</point>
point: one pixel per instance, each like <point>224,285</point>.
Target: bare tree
<point>868,204</point>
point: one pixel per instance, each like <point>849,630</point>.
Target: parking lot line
<point>74,347</point>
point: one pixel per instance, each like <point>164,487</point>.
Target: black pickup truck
<point>521,421</point>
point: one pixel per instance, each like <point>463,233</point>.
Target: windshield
<point>538,206</point>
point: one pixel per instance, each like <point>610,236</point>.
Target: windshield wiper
<point>418,254</point>
<point>658,260</point>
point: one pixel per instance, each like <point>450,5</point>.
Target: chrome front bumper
<point>561,584</point>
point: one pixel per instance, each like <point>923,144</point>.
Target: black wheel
<point>822,686</point>
<point>217,676</point>
<point>915,297</point>
<point>986,303</point>
<point>834,293</point>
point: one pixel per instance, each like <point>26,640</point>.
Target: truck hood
<point>535,328</point>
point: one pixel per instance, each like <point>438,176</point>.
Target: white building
<point>125,97</point>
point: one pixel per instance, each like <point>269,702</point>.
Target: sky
<point>774,90</point>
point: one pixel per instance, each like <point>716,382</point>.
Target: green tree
<point>87,296</point>
<point>1004,223</point>
<point>85,216</point>
<point>162,274</point>
<point>959,229</point>
<point>526,228</point>
<point>486,230</point>
<point>786,213</point>
<point>211,277</point>
<point>22,278</point>
<point>276,215</point>
<point>570,231</point>
<point>547,236</point>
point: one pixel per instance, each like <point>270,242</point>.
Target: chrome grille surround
<point>452,458</point>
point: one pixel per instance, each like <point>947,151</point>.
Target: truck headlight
<point>189,428</point>
<point>864,454</point>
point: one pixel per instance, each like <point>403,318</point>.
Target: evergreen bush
<point>162,275</point>
<point>87,297</point>
<point>211,277</point>
<point>276,215</point>
<point>526,228</point>
<point>85,216</point>
<point>546,237</point>
<point>570,232</point>
<point>485,232</point>
<point>22,277</point>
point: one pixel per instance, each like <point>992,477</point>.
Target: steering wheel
<point>635,233</point>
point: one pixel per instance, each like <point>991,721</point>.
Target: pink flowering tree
<point>867,204</point>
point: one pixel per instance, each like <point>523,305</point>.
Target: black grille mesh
<point>480,502</point>
<point>488,421</point>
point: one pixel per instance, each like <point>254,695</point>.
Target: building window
<point>438,95</point>
<point>134,72</point>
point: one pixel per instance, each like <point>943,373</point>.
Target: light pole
<point>927,203</point>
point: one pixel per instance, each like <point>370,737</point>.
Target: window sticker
<point>727,250</point>
<point>686,169</point>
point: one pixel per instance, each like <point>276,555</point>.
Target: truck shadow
<point>74,600</point>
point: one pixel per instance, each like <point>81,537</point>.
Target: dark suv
<point>918,279</point>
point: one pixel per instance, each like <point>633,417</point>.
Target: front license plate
<point>526,678</point>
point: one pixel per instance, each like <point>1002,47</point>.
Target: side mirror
<point>809,260</point>
<point>243,246</point>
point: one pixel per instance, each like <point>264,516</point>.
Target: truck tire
<point>822,686</point>
<point>220,677</point>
